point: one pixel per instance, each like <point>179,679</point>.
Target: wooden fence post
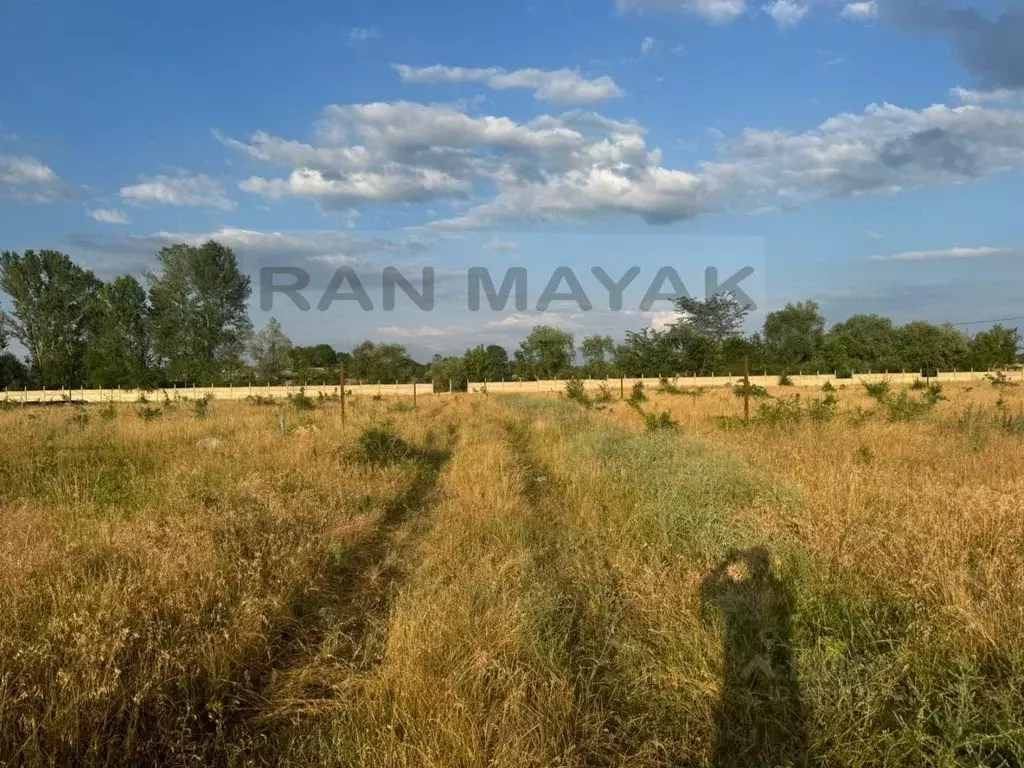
<point>746,388</point>
<point>341,379</point>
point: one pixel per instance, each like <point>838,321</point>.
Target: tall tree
<point>271,351</point>
<point>382,363</point>
<point>12,371</point>
<point>51,296</point>
<point>928,347</point>
<point>199,311</point>
<point>119,350</point>
<point>597,353</point>
<point>546,353</point>
<point>994,348</point>
<point>793,335</point>
<point>862,343</point>
<point>704,327</point>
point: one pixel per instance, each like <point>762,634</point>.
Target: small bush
<point>667,387</point>
<point>201,406</point>
<point>1000,379</point>
<point>146,413</point>
<point>691,391</point>
<point>785,410</point>
<point>80,418</point>
<point>918,384</point>
<point>879,390</point>
<point>657,422</point>
<point>300,401</point>
<point>637,395</point>
<point>823,410</point>
<point>933,394</point>
<point>750,389</point>
<point>828,387</point>
<point>260,400</point>
<point>604,394</point>
<point>904,408</point>
<point>865,455</point>
<point>844,374</point>
<point>382,446</point>
<point>785,381</point>
<point>108,412</point>
<point>575,392</point>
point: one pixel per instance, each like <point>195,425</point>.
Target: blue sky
<point>867,155</point>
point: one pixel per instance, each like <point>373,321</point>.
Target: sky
<point>866,155</point>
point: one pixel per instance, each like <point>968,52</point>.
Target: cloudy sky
<point>864,154</point>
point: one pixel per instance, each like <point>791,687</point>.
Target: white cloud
<point>786,13</point>
<point>647,46</point>
<point>715,11</point>
<point>980,252</point>
<point>362,34</point>
<point>110,216</point>
<point>561,86</point>
<point>864,11</point>
<point>504,246</point>
<point>24,179</point>
<point>199,190</point>
<point>982,97</point>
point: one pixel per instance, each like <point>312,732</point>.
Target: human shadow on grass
<point>760,717</point>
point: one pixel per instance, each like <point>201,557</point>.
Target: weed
<point>260,400</point>
<point>918,384</point>
<point>108,412</point>
<point>785,380</point>
<point>604,393</point>
<point>933,394</point>
<point>201,406</point>
<point>637,395</point>
<point>147,413</point>
<point>1000,379</point>
<point>754,390</point>
<point>667,387</point>
<point>904,408</point>
<point>824,409</point>
<point>80,418</point>
<point>879,390</point>
<point>828,387</point>
<point>656,422</point>
<point>784,410</point>
<point>865,455</point>
<point>300,401</point>
<point>575,392</point>
<point>382,445</point>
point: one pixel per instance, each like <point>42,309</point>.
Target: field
<point>517,581</point>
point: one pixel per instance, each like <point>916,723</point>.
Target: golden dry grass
<point>485,581</point>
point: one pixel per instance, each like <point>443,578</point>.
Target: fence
<point>493,387</point>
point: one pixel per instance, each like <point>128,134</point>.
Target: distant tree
<point>270,350</point>
<point>448,374</point>
<point>703,328</point>
<point>793,335</point>
<point>546,353</point>
<point>319,356</point>
<point>994,348</point>
<point>648,353</point>
<point>497,363</point>
<point>51,296</point>
<point>119,350</point>
<point>382,363</point>
<point>12,371</point>
<point>925,346</point>
<point>861,343</point>
<point>199,311</point>
<point>598,351</point>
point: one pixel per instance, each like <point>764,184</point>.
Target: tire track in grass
<point>338,626</point>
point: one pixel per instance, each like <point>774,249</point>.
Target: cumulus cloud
<point>198,190</point>
<point>989,47</point>
<point>110,216</point>
<point>786,13</point>
<point>503,246</point>
<point>580,165</point>
<point>865,11</point>
<point>560,86</point>
<point>24,179</point>
<point>715,11</point>
<point>968,96</point>
<point>980,252</point>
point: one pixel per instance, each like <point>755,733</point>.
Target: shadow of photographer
<point>760,715</point>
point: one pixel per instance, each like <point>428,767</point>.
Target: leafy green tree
<point>547,352</point>
<point>119,348</point>
<point>51,297</point>
<point>648,353</point>
<point>793,335</point>
<point>271,351</point>
<point>925,346</point>
<point>497,363</point>
<point>199,311</point>
<point>704,327</point>
<point>994,348</point>
<point>859,344</point>
<point>448,374</point>
<point>319,356</point>
<point>385,363</point>
<point>598,351</point>
<point>12,371</point>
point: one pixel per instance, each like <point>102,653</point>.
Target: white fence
<point>493,387</point>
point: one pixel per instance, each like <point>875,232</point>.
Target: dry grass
<point>513,582</point>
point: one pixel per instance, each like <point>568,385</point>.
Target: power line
<point>991,322</point>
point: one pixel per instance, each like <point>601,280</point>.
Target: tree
<point>703,328</point>
<point>859,344</point>
<point>994,348</point>
<point>119,349</point>
<point>51,296</point>
<point>928,347</point>
<point>794,334</point>
<point>597,352</point>
<point>546,353</point>
<point>271,351</point>
<point>648,353</point>
<point>386,363</point>
<point>319,356</point>
<point>199,311</point>
<point>497,362</point>
<point>12,371</point>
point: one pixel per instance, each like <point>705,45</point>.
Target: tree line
<point>190,324</point>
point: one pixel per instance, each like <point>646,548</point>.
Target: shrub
<point>146,413</point>
<point>1000,379</point>
<point>828,387</point>
<point>382,446</point>
<point>108,412</point>
<point>785,410</point>
<point>301,401</point>
<point>824,409</point>
<point>904,408</point>
<point>201,406</point>
<point>260,399</point>
<point>666,386</point>
<point>918,384</point>
<point>933,394</point>
<point>749,389</point>
<point>575,392</point>
<point>879,390</point>
<point>604,393</point>
<point>656,422</point>
<point>637,395</point>
<point>785,381</point>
